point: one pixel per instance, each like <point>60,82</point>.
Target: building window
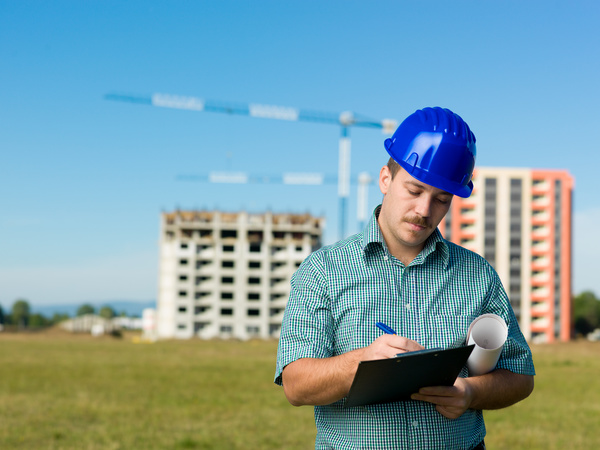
<point>226,295</point>
<point>253,331</point>
<point>228,234</point>
<point>226,280</point>
<point>253,280</point>
<point>228,248</point>
<point>181,326</point>
<point>201,247</point>
<point>227,264</point>
<point>254,265</point>
<point>183,262</point>
<point>274,281</point>
<point>201,263</point>
<point>205,233</point>
<point>255,236</point>
<point>253,312</point>
<point>183,245</point>
<point>226,311</point>
<point>254,248</point>
<point>182,309</point>
<point>226,329</point>
<point>183,277</point>
<point>253,296</point>
<point>183,293</point>
<point>201,279</point>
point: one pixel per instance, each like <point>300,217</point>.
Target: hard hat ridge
<point>437,147</point>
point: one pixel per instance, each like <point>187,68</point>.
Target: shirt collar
<point>372,240</point>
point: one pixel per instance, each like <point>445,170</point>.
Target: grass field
<point>59,391</point>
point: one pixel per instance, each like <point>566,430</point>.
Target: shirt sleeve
<point>516,355</point>
<point>307,326</point>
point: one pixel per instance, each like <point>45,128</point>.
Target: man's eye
<point>443,201</point>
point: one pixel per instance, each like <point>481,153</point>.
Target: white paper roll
<point>488,332</point>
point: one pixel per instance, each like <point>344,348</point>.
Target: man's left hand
<point>450,401</point>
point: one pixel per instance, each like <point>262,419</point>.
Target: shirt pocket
<point>448,330</point>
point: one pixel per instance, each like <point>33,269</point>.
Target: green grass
<point>60,391</point>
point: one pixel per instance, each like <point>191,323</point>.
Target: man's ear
<point>385,179</point>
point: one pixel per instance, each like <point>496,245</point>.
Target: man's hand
<point>388,346</point>
<point>497,389</point>
<point>450,401</point>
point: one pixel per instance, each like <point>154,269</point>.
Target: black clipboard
<point>395,379</point>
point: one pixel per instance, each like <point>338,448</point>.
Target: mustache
<point>417,220</point>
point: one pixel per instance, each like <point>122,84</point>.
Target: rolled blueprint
<point>488,332</point>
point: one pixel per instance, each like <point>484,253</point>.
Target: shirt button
<point>415,424</point>
<point>408,306</point>
<point>385,257</point>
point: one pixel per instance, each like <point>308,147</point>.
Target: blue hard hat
<point>437,148</point>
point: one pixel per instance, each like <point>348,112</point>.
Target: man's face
<point>410,212</point>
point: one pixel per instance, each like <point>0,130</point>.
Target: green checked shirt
<point>341,291</point>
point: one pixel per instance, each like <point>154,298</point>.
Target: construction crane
<point>291,178</point>
<point>345,120</point>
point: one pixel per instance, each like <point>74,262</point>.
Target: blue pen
<point>383,327</point>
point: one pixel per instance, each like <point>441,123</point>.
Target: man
<point>401,271</point>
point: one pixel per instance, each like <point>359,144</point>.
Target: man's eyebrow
<point>422,186</point>
<point>415,184</point>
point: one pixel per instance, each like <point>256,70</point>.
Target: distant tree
<point>2,318</point>
<point>20,313</point>
<point>84,309</point>
<point>38,321</point>
<point>59,317</point>
<point>586,312</point>
<point>107,312</point>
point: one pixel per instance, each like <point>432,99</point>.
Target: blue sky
<point>83,180</point>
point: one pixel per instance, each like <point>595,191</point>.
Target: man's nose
<point>423,206</point>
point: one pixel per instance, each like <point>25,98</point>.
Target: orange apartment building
<point>520,221</point>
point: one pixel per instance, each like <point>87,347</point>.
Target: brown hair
<point>393,166</point>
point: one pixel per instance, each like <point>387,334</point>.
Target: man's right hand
<point>388,346</point>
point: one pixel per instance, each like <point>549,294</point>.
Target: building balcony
<point>540,186</point>
<point>541,247</point>
<point>540,262</point>
<point>540,231</point>
<point>540,324</point>
<point>540,309</point>
<point>540,293</point>
<point>540,217</point>
<point>540,279</point>
<point>540,201</point>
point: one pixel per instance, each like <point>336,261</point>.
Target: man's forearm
<point>499,389</point>
<point>312,381</point>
